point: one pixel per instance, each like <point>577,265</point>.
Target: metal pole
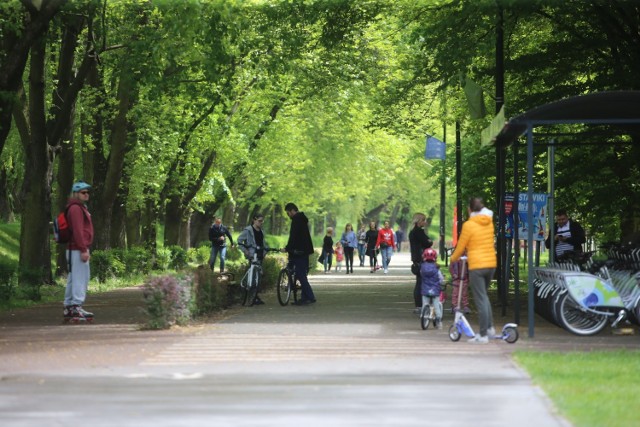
<point>551,211</point>
<point>516,236</point>
<point>458,179</point>
<point>442,196</point>
<point>530,226</point>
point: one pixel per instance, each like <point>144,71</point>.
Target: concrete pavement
<point>357,357</point>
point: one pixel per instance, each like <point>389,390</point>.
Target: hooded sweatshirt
<point>477,239</point>
<point>81,226</point>
<point>299,243</point>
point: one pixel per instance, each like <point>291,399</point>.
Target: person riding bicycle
<point>251,241</point>
<point>431,283</point>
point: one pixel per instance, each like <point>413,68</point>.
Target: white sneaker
<point>479,340</point>
<point>386,271</point>
<point>491,332</point>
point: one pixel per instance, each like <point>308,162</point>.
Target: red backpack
<point>61,229</point>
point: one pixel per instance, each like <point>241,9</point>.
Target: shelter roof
<point>620,108</point>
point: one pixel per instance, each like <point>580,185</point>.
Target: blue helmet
<point>79,186</point>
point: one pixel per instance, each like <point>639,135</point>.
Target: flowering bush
<point>167,300</point>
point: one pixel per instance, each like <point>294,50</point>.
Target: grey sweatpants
<point>479,281</point>
<point>77,281</point>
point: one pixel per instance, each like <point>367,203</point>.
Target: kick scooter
<point>461,324</point>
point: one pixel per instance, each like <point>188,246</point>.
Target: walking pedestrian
<point>386,243</point>
<point>372,251</point>
<point>218,235</point>
<point>362,244</point>
<point>78,255</point>
<point>477,238</point>
<point>399,238</point>
<point>349,243</point>
<point>327,250</point>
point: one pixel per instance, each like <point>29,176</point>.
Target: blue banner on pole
<point>435,149</point>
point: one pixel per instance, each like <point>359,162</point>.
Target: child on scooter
<point>455,268</point>
<point>432,283</point>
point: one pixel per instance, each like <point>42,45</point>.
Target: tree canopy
<point>176,111</point>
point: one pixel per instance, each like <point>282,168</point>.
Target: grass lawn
<point>599,388</point>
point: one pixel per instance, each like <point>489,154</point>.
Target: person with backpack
<point>80,226</point>
<point>218,235</point>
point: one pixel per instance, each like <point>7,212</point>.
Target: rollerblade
<point>76,314</point>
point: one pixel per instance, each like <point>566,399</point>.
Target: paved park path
<point>357,357</point>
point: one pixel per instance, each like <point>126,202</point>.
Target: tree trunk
<point>199,230</point>
<point>148,228</point>
<point>174,221</point>
<point>115,165</point>
<point>132,228</point>
<point>35,256</point>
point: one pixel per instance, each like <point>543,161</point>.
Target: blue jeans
<point>215,250</point>
<point>386,256</point>
<point>328,260</point>
<point>361,253</point>
<point>301,265</point>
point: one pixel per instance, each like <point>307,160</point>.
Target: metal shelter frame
<point>616,109</point>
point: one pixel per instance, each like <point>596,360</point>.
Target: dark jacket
<point>327,245</point>
<point>216,232</point>
<point>419,241</point>
<point>299,243</point>
<point>577,238</point>
<point>80,224</point>
<point>372,238</point>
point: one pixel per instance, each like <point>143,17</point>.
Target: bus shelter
<point>614,112</point>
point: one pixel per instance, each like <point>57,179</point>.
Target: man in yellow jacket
<point>476,239</point>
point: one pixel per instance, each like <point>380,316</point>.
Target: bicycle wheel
<point>510,335</point>
<point>253,289</point>
<point>284,290</point>
<point>454,333</point>
<point>425,316</point>
<point>575,319</point>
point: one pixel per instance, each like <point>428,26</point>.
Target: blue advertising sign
<point>539,216</point>
<point>436,149</point>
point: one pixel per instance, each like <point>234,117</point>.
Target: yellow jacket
<point>477,239</point>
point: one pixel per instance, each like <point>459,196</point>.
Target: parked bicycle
<point>583,296</point>
<point>250,283</point>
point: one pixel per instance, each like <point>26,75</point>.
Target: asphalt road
<point>357,357</point>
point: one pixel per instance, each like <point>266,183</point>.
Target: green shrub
<point>29,283</point>
<point>202,255</point>
<point>179,258</point>
<point>107,264</point>
<point>137,260</point>
<point>167,300</point>
<point>213,292</point>
<point>8,282</point>
<point>233,254</point>
<point>163,258</point>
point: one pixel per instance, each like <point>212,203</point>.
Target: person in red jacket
<point>78,255</point>
<point>386,243</point>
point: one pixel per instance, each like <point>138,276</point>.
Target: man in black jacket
<point>299,247</point>
<point>568,235</point>
<point>218,235</point>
